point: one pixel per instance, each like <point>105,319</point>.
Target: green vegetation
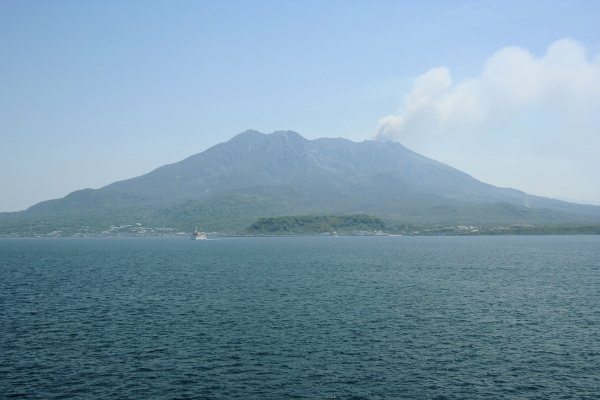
<point>543,230</point>
<point>461,230</point>
<point>315,225</point>
<point>248,217</point>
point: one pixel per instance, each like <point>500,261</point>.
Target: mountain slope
<point>256,174</point>
<point>254,159</point>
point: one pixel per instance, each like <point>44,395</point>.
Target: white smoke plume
<point>512,81</point>
<point>532,123</point>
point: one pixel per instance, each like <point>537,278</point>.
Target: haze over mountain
<point>282,173</point>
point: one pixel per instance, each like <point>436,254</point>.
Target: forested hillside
<point>314,225</point>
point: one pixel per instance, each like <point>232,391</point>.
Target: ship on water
<point>199,235</point>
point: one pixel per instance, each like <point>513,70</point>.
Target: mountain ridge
<point>297,175</point>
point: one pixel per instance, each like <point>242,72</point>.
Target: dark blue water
<point>308,318</point>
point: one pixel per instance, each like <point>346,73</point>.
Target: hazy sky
<point>92,92</point>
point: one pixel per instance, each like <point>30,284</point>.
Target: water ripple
<point>306,318</point>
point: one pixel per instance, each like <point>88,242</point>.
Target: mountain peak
<point>288,134</point>
<point>247,134</point>
<point>252,134</point>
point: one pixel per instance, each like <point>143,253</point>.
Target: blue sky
<point>98,91</point>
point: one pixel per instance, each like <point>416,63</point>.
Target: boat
<point>198,235</point>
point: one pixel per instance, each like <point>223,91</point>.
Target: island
<point>356,224</point>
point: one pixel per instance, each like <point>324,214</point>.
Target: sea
<point>392,317</point>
